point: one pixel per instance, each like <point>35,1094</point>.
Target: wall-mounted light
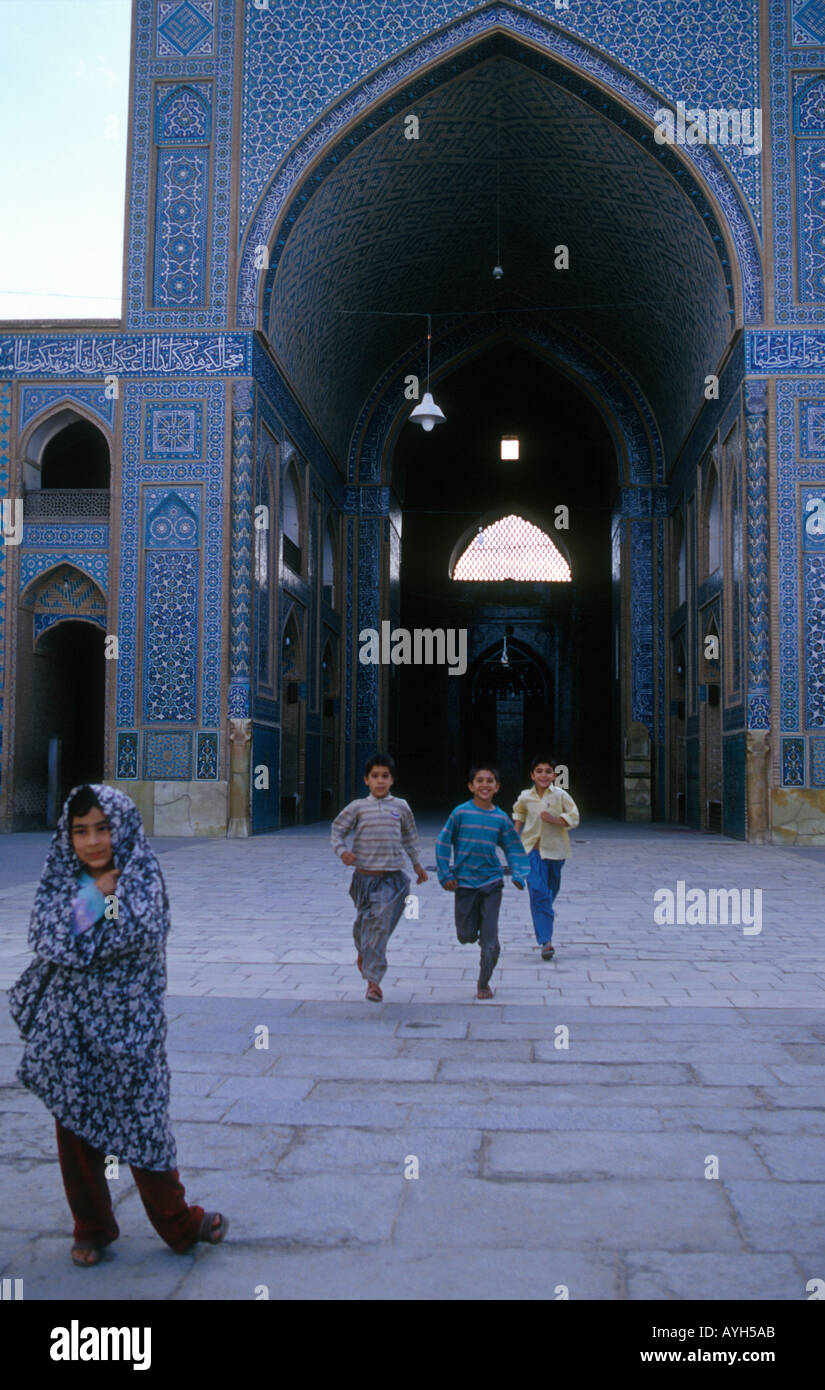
<point>509,446</point>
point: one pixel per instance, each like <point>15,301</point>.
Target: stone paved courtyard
<point>539,1166</point>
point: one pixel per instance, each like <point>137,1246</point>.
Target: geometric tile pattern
<point>96,566</point>
<point>183,114</point>
<point>185,29</point>
<point>159,52</point>
<point>96,354</point>
<point>127,754</point>
<point>793,762</point>
<point>171,643</point>
<point>794,116</point>
<point>812,520</point>
<point>758,552</point>
<point>678,49</point>
<point>181,227</point>
<point>810,182</point>
<point>176,474</point>
<point>808,21</point>
<point>812,429</point>
<point>792,521</point>
<point>65,594</point>
<point>817,762</point>
<point>167,757</point>
<point>174,430</point>
<point>172,518</point>
<point>343,248</point>
<point>207,757</point>
<point>33,399</point>
<point>37,537</point>
<point>814,578</point>
<point>242,540</point>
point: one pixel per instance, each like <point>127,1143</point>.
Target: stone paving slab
<point>713,1278</point>
<point>538,1165</point>
<point>229,943</point>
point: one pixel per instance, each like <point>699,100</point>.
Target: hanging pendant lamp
<point>427,413</point>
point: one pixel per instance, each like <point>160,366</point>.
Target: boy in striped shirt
<point>474,831</point>
<point>383,831</point>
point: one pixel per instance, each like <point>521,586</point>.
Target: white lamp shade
<point>509,447</point>
<point>427,413</point>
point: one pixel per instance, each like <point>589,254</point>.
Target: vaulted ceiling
<point>404,227</point>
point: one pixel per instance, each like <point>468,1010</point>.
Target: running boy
<point>382,827</point>
<point>90,1008</point>
<point>472,834</point>
<point>543,815</point>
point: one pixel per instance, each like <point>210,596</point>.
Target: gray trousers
<point>379,901</point>
<point>476,919</point>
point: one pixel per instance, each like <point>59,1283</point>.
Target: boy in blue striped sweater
<point>474,831</point>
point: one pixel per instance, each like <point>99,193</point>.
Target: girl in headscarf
<point>90,1008</point>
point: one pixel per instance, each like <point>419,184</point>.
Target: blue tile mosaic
<point>167,757</point>
<point>137,471</point>
<point>207,757</point>
<point>173,430</point>
<point>190,44</point>
<point>181,227</point>
<point>124,354</point>
<point>793,762</point>
<point>812,519</point>
<point>814,581</point>
<point>186,29</point>
<point>96,566</point>
<point>127,755</point>
<point>183,113</point>
<point>34,399</point>
<point>677,50</point>
<point>38,535</point>
<point>817,747</point>
<point>812,429</point>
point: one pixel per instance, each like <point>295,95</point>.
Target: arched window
<point>713,521</point>
<point>328,564</point>
<point>512,548</point>
<point>292,548</point>
<point>66,468</point>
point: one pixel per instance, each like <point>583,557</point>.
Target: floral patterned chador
<point>90,1005</point>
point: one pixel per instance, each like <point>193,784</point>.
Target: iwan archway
<point>620,272</point>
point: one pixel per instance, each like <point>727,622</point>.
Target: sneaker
<point>548,952</point>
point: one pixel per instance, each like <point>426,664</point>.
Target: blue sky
<point>64,86</point>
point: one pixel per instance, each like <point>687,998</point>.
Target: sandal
<point>211,1233</point>
<point>374,992</point>
<point>548,951</point>
<point>92,1248</point>
<point>484,992</point>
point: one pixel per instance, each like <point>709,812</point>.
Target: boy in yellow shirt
<point>543,815</point>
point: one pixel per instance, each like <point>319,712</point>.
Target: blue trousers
<point>543,886</point>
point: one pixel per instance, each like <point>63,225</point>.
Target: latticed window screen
<point>512,548</point>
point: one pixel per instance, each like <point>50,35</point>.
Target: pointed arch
<point>44,429</point>
<point>510,547</point>
<point>595,77</point>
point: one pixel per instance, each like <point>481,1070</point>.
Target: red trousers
<point>89,1197</point>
